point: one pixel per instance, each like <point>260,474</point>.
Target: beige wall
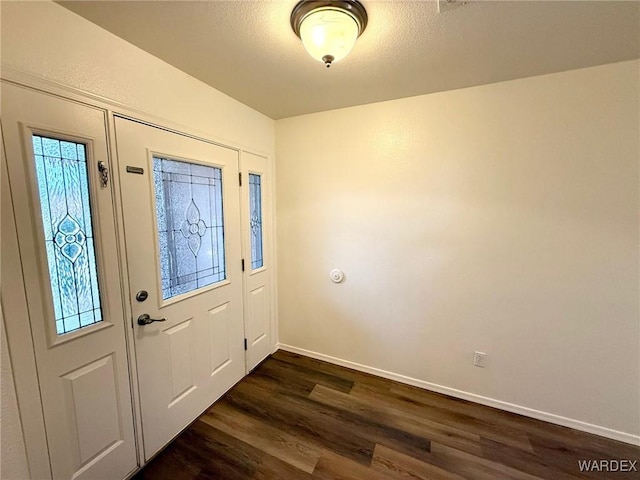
<point>46,40</point>
<point>501,218</point>
<point>49,41</point>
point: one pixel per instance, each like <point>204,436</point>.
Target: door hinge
<point>245,343</point>
<point>240,178</point>
<point>243,264</point>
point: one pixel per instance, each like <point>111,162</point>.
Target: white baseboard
<point>509,407</point>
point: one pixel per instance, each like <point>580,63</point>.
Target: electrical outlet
<point>446,5</point>
<point>479,359</point>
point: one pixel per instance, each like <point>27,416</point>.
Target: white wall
<point>501,218</point>
<point>47,41</point>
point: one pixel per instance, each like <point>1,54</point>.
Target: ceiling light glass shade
<point>329,34</point>
<point>329,28</point>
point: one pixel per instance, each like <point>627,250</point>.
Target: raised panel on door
<point>90,389</point>
<point>182,235</point>
<point>257,328</point>
<point>220,346</point>
<point>66,232</point>
<point>257,272</point>
<point>181,343</point>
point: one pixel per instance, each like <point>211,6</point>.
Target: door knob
<point>145,319</point>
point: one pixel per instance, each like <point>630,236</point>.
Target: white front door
<point>257,264</point>
<point>64,216</point>
<point>181,208</point>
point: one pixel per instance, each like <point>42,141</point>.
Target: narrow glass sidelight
<point>255,219</point>
<point>190,222</point>
<point>63,187</point>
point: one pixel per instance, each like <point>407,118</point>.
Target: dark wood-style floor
<point>298,418</point>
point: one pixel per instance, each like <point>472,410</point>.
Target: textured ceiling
<point>247,50</point>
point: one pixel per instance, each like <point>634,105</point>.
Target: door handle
<point>145,319</point>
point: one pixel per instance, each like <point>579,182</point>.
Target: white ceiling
<point>247,49</point>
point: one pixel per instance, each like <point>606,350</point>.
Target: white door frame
<point>255,354</point>
<point>19,341</point>
<point>18,330</point>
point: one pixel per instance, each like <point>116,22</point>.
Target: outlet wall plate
<point>446,5</point>
<point>479,359</point>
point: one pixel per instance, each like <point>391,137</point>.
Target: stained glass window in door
<point>189,213</point>
<point>255,220</point>
<point>63,187</point>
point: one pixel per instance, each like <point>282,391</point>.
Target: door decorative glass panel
<point>189,214</point>
<point>255,206</point>
<point>63,187</point>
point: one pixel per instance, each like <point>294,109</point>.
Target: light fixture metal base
<point>352,7</point>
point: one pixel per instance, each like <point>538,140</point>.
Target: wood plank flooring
<point>295,417</point>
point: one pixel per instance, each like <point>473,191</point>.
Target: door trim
<point>52,378</point>
<point>22,355</point>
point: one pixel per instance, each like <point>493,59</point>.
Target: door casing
<point>88,367</point>
<point>19,331</point>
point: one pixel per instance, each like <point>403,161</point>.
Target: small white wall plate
<point>336,275</point>
<point>446,5</point>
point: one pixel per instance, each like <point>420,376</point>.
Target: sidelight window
<point>255,219</point>
<point>63,187</point>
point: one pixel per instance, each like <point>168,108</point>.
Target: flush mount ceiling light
<point>328,28</point>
